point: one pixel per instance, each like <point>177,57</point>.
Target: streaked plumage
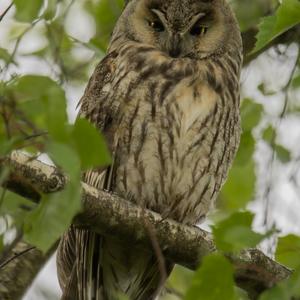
<point>168,104</point>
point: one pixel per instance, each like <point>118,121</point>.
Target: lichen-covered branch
<point>113,216</point>
<point>19,270</point>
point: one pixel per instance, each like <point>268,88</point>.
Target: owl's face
<point>180,28</point>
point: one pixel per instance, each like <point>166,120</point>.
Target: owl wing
<point>95,107</point>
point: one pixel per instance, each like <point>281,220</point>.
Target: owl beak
<point>174,48</point>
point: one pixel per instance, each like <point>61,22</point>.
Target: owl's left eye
<point>157,25</point>
<point>198,30</point>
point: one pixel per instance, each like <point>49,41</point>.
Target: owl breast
<point>175,137</point>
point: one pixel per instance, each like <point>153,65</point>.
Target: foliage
<point>34,117</point>
<point>211,284</point>
<point>235,233</point>
<point>287,252</point>
<point>286,16</point>
<point>43,121</point>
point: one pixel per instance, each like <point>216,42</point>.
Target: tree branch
<point>5,11</point>
<point>19,270</point>
<point>113,216</point>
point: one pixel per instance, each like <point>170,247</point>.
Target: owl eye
<point>198,30</point>
<point>157,26</point>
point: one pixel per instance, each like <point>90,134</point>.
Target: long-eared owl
<point>166,97</point>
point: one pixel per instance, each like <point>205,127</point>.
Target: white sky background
<point>283,196</point>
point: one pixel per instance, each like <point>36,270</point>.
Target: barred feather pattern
<point>173,127</point>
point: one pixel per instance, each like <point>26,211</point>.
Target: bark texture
<point>19,269</point>
<point>113,216</point>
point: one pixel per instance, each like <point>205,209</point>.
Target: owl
<point>166,97</point>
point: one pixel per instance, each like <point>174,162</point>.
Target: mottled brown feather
<point>173,127</point>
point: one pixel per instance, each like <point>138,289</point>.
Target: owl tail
<point>92,267</point>
<point>127,270</point>
<point>105,269</point>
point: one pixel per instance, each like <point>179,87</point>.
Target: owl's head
<point>180,28</point>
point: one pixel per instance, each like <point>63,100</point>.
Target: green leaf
<point>51,9</point>
<point>296,81</point>
<point>246,149</point>
<point>242,294</point>
<point>282,153</point>
<point>239,188</point>
<point>18,29</point>
<point>213,280</point>
<point>286,16</point>
<point>249,13</point>
<point>42,52</point>
<point>4,55</point>
<point>293,284</point>
<point>56,211</point>
<point>265,91</point>
<point>65,157</point>
<point>48,222</point>
<point>8,144</point>
<point>251,114</point>
<point>14,206</point>
<point>269,135</point>
<point>30,87</point>
<point>275,293</point>
<point>43,102</point>
<point>27,11</point>
<point>56,113</point>
<point>106,13</point>
<point>288,251</point>
<point>122,297</point>
<point>90,144</point>
<point>180,279</point>
<point>235,233</point>
<point>4,173</point>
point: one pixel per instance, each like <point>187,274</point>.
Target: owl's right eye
<point>157,25</point>
<point>198,30</point>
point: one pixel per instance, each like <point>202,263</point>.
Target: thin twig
<point>9,248</point>
<point>56,47</point>
<point>36,135</point>
<point>18,275</point>
<point>158,253</point>
<point>16,47</point>
<point>15,256</point>
<point>5,12</point>
<point>281,117</point>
